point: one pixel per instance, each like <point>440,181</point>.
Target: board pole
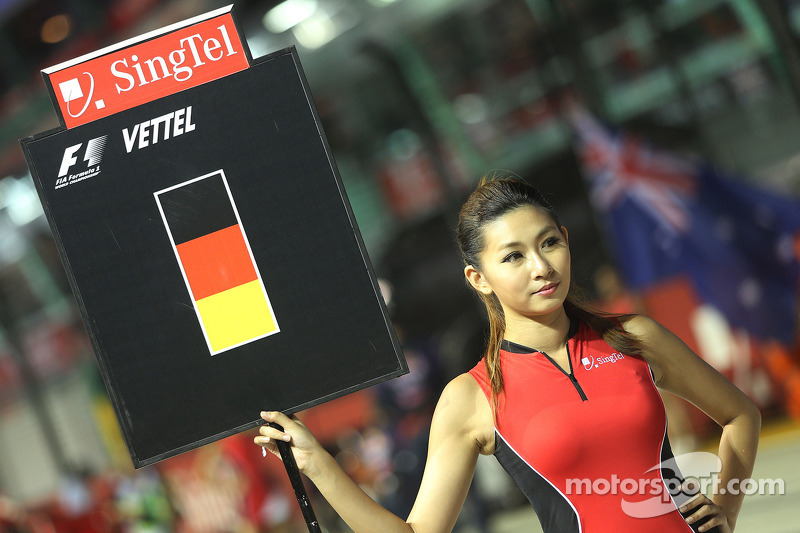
<point>297,483</point>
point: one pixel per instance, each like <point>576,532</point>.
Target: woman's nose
<point>540,267</point>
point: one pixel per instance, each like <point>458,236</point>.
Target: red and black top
<point>588,447</point>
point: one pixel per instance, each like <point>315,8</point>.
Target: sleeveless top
<point>587,447</point>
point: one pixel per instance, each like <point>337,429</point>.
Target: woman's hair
<point>493,198</point>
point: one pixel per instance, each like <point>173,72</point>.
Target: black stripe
<point>552,508</point>
<point>674,478</point>
<point>197,209</point>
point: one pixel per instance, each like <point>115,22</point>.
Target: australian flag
<point>669,215</point>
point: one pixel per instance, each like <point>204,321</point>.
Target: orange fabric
<point>216,262</point>
<point>329,420</point>
<point>797,245</point>
<point>784,370</point>
<point>671,303</point>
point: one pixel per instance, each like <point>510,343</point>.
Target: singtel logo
<point>128,75</point>
<point>71,90</point>
<point>194,52</point>
<point>589,362</point>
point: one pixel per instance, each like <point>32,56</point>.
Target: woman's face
<point>525,262</point>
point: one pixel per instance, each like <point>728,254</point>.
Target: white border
<point>249,251</point>
<point>139,38</point>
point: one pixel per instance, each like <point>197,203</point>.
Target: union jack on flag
<point>668,216</point>
<point>621,166</point>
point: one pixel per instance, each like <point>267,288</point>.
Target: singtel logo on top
<point>132,72</point>
<point>72,90</point>
<point>182,62</point>
<point>121,79</point>
<point>589,362</point>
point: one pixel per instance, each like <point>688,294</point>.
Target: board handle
<point>300,493</point>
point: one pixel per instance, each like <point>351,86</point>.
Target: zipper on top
<point>518,348</point>
<point>570,374</point>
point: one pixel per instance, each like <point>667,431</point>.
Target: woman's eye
<point>552,241</point>
<point>513,256</point>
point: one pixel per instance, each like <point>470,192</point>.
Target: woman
<point>565,399</point>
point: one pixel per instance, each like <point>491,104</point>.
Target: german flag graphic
<point>216,261</point>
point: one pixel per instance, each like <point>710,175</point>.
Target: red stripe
<point>216,262</point>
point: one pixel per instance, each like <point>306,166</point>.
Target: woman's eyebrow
<point>513,244</point>
<point>516,244</point>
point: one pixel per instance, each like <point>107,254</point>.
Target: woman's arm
<point>453,449</point>
<point>679,370</point>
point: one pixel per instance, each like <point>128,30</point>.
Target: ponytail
<point>491,359</point>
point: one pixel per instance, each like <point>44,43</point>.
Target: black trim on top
<point>513,347</point>
<point>570,374</point>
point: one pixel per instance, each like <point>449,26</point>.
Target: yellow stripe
<point>235,316</point>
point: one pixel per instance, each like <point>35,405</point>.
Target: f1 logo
<point>93,156</point>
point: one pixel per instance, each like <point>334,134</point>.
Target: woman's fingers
<point>268,445</point>
<point>715,521</point>
<point>293,429</point>
<point>270,434</point>
<point>695,501</point>
<point>702,512</point>
<point>278,418</point>
<point>305,448</point>
<point>704,508</point>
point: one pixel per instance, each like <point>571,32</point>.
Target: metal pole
<point>297,483</point>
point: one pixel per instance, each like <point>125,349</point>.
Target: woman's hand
<point>305,446</point>
<point>706,508</point>
<point>462,427</point>
<point>682,372</point>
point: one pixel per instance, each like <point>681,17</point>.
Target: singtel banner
<point>144,69</point>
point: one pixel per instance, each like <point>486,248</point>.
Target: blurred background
<point>665,132</point>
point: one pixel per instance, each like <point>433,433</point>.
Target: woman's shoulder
<point>653,339</point>
<point>463,407</point>
<point>642,326</point>
<point>462,390</point>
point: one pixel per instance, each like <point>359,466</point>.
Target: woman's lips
<point>550,288</point>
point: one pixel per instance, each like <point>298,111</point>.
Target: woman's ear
<point>477,280</point>
<point>566,235</point>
